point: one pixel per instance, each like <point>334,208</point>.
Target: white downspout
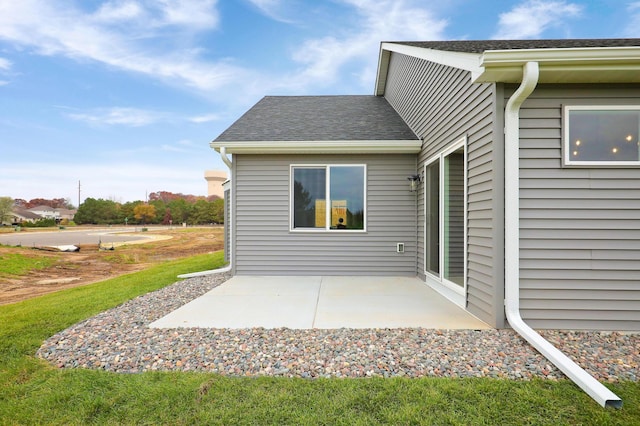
<point>227,161</point>
<point>225,157</point>
<point>588,383</point>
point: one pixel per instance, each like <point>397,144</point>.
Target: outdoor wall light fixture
<point>414,180</point>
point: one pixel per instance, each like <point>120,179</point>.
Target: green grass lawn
<point>34,392</point>
<point>14,264</point>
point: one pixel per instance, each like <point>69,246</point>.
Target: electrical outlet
<point>400,248</point>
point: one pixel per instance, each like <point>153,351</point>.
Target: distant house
<point>474,164</point>
<point>58,214</point>
<point>19,216</point>
<point>45,212</point>
<point>65,214</point>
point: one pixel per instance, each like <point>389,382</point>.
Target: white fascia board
<point>462,60</point>
<point>383,69</point>
<point>562,65</point>
<point>583,54</point>
<point>321,147</point>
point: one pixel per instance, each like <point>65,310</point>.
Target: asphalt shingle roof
<point>479,46</point>
<point>319,118</point>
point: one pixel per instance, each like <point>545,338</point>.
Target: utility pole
<point>78,194</point>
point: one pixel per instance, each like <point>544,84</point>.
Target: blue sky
<point>125,95</point>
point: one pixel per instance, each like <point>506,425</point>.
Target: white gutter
<point>225,157</point>
<point>588,383</point>
<point>402,146</point>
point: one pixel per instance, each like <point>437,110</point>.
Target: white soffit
<point>321,147</point>
<point>575,65</point>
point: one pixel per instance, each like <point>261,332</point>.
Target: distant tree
<point>160,207</point>
<point>168,197</point>
<point>304,213</point>
<point>206,212</point>
<point>165,196</point>
<point>55,203</point>
<point>144,212</point>
<point>203,213</point>
<point>97,212</point>
<point>6,206</point>
<point>168,219</point>
<point>68,204</point>
<point>180,210</point>
<point>40,223</point>
<point>126,211</point>
<point>218,210</point>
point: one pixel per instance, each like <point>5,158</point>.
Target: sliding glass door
<point>445,219</point>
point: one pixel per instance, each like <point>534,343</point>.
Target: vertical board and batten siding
<point>441,105</point>
<point>579,226</point>
<point>265,245</point>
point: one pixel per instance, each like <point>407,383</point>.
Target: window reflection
<point>345,197</point>
<point>308,188</point>
<point>604,135</point>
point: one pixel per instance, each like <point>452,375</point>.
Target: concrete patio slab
<point>387,302</point>
<point>326,302</point>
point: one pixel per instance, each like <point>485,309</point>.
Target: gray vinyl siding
<point>265,245</point>
<point>580,226</point>
<point>441,105</point>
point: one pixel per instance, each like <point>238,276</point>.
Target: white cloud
<point>183,145</point>
<point>204,118</point>
<point>533,17</point>
<point>274,9</point>
<point>118,11</point>
<point>155,38</point>
<point>633,27</point>
<point>132,117</point>
<point>5,64</point>
<point>378,20</point>
<point>123,34</point>
<point>189,13</point>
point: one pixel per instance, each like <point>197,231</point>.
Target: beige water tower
<point>215,179</point>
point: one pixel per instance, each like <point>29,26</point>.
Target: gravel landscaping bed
<point>120,340</point>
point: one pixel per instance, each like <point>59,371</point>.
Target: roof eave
<point>402,146</point>
<point>563,65</point>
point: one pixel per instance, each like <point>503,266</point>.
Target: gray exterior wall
<point>264,244</point>
<point>580,227</point>
<point>442,105</point>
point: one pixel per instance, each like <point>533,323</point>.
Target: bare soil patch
<point>92,264</point>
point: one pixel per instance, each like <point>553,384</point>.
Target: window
<point>341,187</point>
<point>605,135</point>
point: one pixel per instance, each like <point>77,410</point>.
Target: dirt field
<point>91,264</point>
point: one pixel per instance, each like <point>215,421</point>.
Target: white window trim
<point>566,149</point>
<point>327,227</point>
<point>452,291</point>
